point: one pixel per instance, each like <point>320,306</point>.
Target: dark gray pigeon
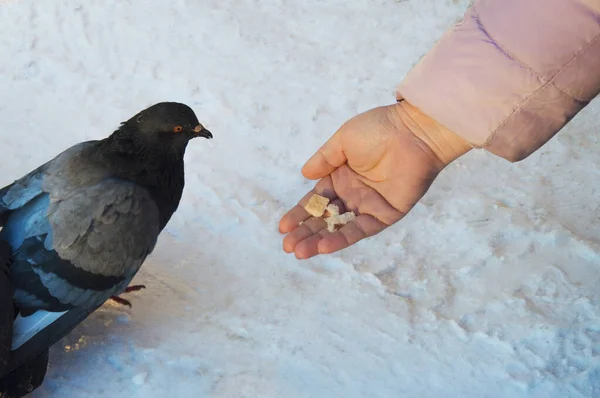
<point>81,225</point>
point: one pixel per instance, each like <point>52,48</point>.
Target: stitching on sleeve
<point>543,86</point>
<point>503,49</point>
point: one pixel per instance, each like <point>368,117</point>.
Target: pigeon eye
<point>177,129</point>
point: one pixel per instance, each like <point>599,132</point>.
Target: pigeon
<point>81,225</point>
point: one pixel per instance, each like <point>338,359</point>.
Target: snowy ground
<point>489,288</point>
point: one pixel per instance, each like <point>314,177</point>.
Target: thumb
<point>328,158</point>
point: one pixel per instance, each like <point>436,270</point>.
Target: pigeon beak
<point>200,131</point>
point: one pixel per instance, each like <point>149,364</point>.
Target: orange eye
<point>177,129</point>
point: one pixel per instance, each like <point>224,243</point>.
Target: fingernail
<point>320,249</point>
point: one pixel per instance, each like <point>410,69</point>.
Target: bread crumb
<point>335,220</point>
<point>316,205</point>
<point>332,210</point>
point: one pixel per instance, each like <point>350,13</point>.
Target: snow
<point>487,289</point>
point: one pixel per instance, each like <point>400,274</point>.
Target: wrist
<point>445,145</point>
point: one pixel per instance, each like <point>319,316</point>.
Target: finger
<point>362,227</point>
<point>298,213</point>
<point>309,247</point>
<point>292,219</point>
<point>328,158</point>
<point>309,228</point>
<point>312,226</point>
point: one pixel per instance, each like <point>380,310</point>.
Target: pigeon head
<point>167,122</point>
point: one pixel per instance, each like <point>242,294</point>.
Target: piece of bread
<point>335,220</point>
<point>316,205</point>
<point>332,210</point>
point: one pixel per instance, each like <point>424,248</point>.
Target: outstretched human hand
<point>378,164</point>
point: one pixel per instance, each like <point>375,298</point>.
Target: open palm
<point>373,165</point>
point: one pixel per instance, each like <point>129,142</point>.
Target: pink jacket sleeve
<point>511,74</point>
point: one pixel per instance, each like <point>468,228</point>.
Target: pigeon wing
<point>78,234</point>
<point>94,243</point>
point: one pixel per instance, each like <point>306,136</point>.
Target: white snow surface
<point>489,288</point>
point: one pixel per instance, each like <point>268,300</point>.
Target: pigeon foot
<point>129,289</point>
